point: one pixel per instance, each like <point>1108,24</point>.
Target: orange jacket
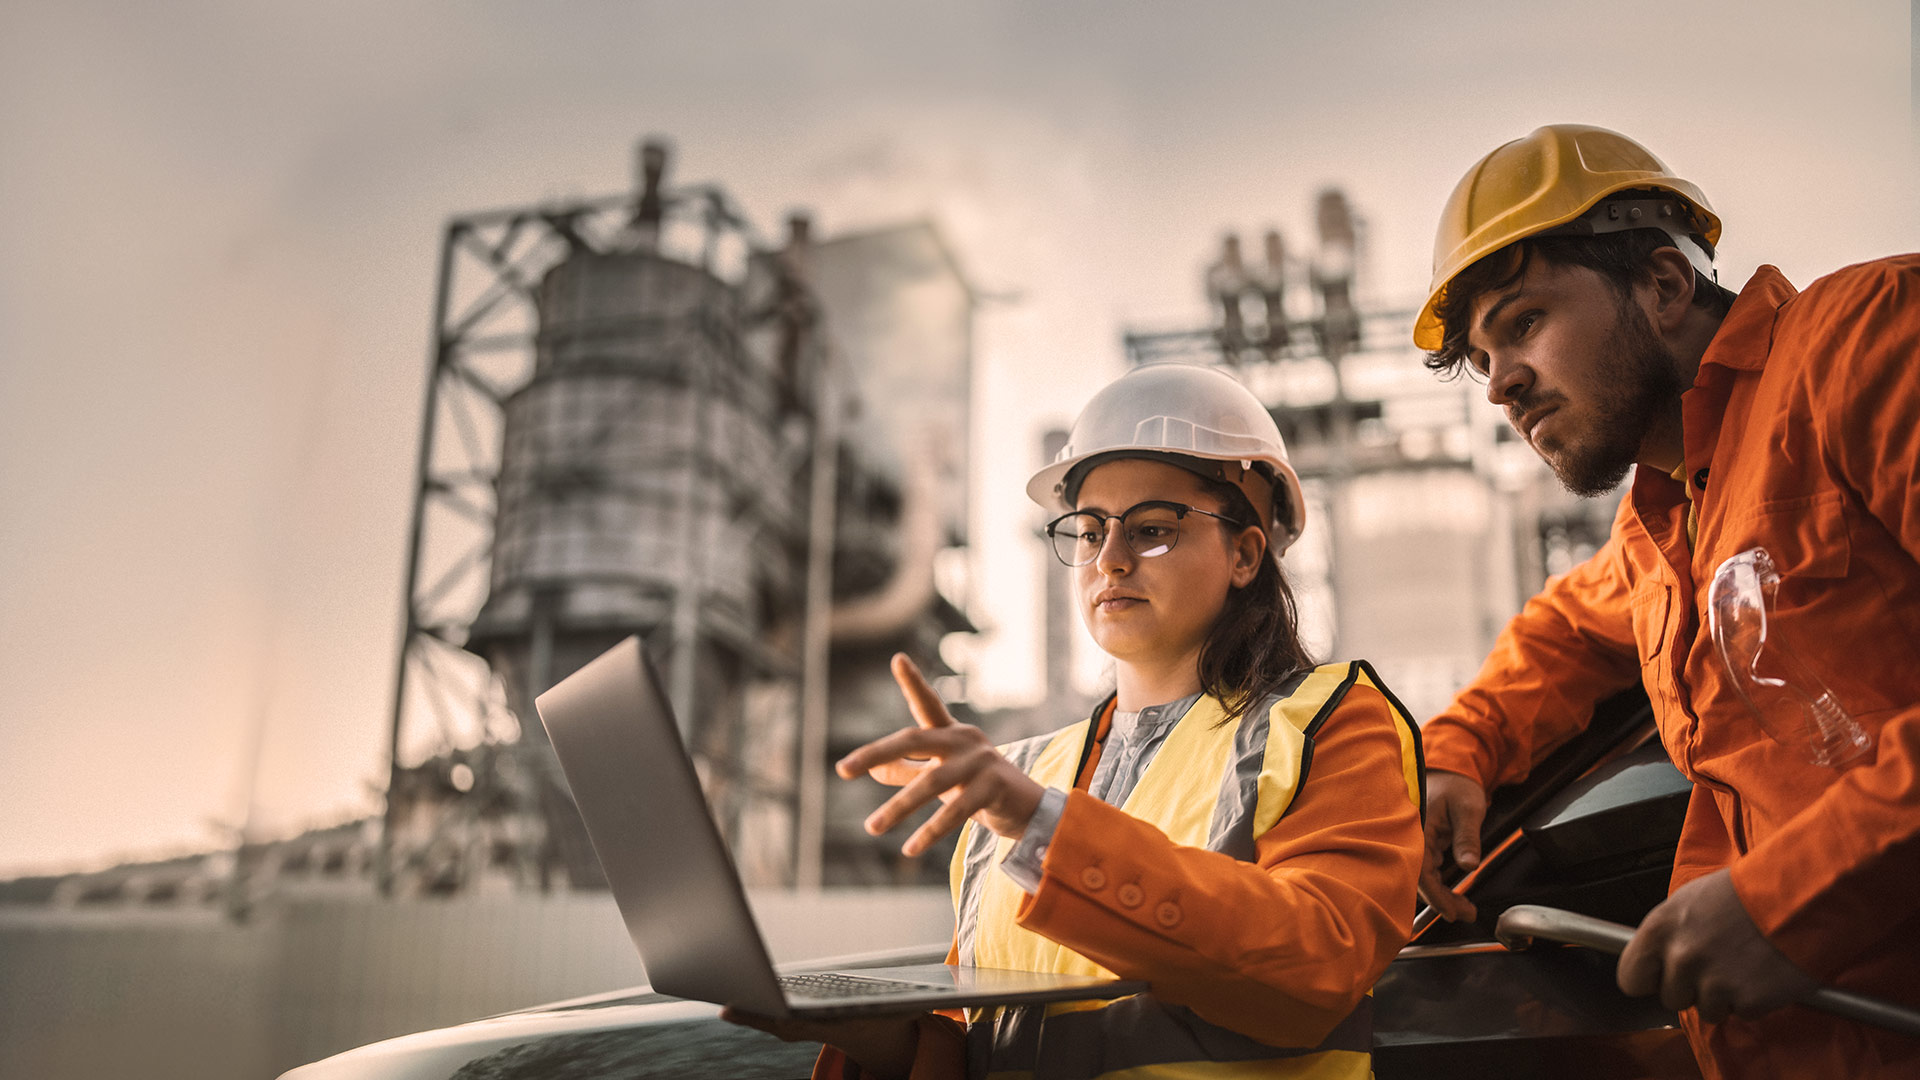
<point>1802,436</point>
<point>1281,948</point>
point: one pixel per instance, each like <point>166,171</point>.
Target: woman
<point>1234,825</point>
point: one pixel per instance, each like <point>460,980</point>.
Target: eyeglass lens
<point>1148,530</point>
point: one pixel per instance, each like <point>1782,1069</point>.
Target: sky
<point>219,221</point>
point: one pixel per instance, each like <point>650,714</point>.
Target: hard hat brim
<point>1428,331</point>
<point>1551,177</point>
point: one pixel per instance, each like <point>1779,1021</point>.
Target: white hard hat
<point>1187,414</point>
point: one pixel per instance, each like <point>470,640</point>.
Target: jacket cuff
<point>1024,861</point>
<point>1450,744</point>
<point>1085,880</point>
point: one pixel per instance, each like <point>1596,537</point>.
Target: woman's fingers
<point>906,743</point>
<point>927,708</point>
<point>932,784</point>
<point>975,797</point>
<point>962,755</point>
<point>899,772</point>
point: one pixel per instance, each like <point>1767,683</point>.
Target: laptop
<point>675,883</point>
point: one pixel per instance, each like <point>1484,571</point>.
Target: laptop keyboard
<point>834,985</point>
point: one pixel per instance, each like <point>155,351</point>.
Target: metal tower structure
<point>620,419</point>
<point>633,426</point>
<point>1420,511</point>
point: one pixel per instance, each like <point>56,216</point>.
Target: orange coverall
<point>1802,436</point>
<point>1333,882</point>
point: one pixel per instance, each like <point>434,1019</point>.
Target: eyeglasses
<point>1150,529</point>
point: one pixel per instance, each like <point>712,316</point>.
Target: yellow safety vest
<point>1255,766</point>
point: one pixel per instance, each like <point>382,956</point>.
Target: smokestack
<point>799,230</point>
<point>1271,280</point>
<point>1227,281</point>
<point>650,206</point>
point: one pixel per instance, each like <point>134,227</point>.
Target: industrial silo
<point>755,468</point>
<point>642,489</point>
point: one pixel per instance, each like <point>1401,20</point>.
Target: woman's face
<point>1158,609</point>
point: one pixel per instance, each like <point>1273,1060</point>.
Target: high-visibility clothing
<point>1802,436</point>
<point>1260,875</point>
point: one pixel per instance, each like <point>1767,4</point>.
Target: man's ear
<point>1248,549</point>
<point>1671,284</point>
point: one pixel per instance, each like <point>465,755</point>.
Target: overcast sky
<point>218,225</point>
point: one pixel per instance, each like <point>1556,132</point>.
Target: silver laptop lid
<point>671,874</point>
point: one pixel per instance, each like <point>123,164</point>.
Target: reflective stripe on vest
<point>1260,762</point>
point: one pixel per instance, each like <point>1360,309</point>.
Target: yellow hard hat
<point>1553,177</point>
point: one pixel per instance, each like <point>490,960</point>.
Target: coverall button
<point>1167,914</point>
<point>1094,878</point>
<point>1130,895</point>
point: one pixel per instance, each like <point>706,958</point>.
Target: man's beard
<point>1642,381</point>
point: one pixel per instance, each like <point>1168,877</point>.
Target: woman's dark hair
<point>1254,646</point>
<point>1622,258</point>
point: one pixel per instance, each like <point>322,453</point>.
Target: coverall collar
<point>1746,334</point>
<point>1740,347</point>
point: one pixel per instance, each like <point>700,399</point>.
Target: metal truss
<point>1380,331</point>
<point>484,323</point>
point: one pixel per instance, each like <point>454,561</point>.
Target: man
<point>1573,272</point>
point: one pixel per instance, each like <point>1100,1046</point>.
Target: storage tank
<point>640,457</point>
<point>641,490</point>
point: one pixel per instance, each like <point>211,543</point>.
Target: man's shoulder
<point>1895,279</point>
<point>1847,333</point>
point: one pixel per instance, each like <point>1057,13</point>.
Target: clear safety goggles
<point>1793,705</point>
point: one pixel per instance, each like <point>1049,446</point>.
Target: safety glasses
<point>1792,704</point>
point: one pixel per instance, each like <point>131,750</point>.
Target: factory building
<point>754,463</point>
<point>644,418</point>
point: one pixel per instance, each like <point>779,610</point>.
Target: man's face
<point>1578,368</point>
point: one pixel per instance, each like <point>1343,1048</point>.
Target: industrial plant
<point>643,416</point>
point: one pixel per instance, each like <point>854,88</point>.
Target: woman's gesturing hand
<point>941,758</point>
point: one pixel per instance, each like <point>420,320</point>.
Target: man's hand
<point>1456,807</point>
<point>953,762</point>
<point>883,1045</point>
<point>1700,949</point>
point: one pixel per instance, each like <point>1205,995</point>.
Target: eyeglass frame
<point>1180,512</point>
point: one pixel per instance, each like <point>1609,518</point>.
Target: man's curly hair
<point>1622,258</point>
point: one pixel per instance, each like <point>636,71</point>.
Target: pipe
<point>889,611</point>
<point>816,653</point>
<point>1521,924</point>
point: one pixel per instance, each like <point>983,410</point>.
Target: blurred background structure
<point>1432,521</point>
<point>643,419</point>
<point>267,784</point>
